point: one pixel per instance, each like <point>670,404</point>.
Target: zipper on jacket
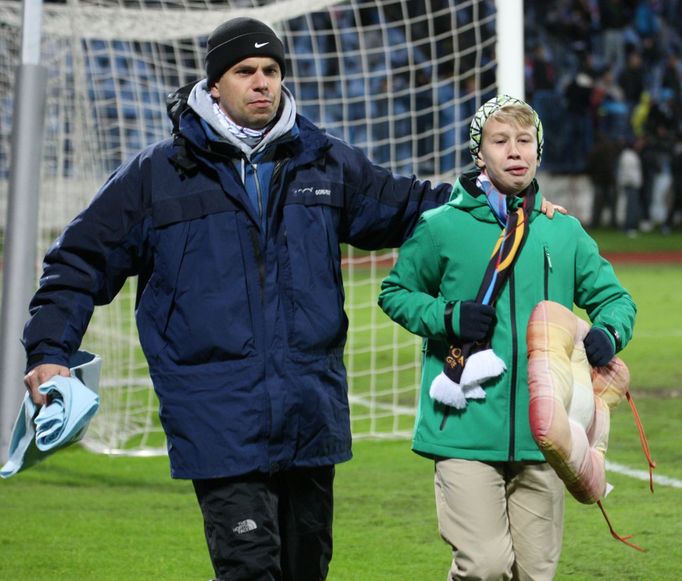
<point>279,164</point>
<point>260,261</point>
<point>259,193</point>
<point>514,370</point>
<point>255,237</point>
<point>547,270</point>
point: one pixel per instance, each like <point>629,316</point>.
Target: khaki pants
<point>503,520</point>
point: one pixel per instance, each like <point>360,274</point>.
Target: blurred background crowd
<point>605,76</point>
<point>606,79</point>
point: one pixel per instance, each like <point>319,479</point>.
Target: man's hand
<point>39,375</point>
<point>548,208</point>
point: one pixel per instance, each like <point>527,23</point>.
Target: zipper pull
<point>548,258</point>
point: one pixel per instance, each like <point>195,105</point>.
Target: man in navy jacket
<point>233,227</point>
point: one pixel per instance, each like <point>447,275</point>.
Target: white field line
<point>642,475</point>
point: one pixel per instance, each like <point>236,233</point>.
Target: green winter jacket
<point>444,261</point>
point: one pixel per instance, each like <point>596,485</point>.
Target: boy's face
<point>509,155</point>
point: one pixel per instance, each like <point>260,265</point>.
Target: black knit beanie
<point>238,39</point>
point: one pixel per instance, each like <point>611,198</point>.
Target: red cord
<point>614,534</point>
<point>642,439</point>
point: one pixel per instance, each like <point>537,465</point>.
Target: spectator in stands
<point>234,227</point>
<point>675,205</point>
<point>571,21</point>
<point>629,179</point>
<point>631,79</point>
<point>616,16</point>
<point>542,78</point>
<point>651,167</point>
<point>608,102</point>
<point>646,20</point>
<point>640,115</point>
<point>661,133</point>
<point>499,504</point>
<point>671,80</point>
<point>601,169</point>
<point>580,115</point>
<point>656,36</point>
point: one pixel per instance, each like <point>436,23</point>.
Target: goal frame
<point>22,204</point>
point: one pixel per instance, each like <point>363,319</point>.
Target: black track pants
<point>260,527</point>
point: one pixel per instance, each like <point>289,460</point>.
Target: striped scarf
<point>467,385</point>
<point>508,246</point>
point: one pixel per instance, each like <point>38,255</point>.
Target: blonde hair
<point>514,114</point>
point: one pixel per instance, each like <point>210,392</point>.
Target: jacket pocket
<point>312,272</point>
<point>201,291</point>
<point>156,297</point>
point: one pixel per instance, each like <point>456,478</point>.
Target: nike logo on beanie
<point>260,44</point>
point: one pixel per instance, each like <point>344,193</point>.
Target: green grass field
<point>81,516</point>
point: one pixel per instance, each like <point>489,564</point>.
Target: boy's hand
<point>598,347</point>
<point>475,320</point>
<point>548,208</point>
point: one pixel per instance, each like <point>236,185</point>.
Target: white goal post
<point>400,79</point>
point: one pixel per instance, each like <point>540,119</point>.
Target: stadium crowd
<point>605,76</point>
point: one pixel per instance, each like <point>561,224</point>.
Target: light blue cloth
<point>64,421</point>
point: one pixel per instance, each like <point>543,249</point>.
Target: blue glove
<point>598,347</point>
<point>475,320</point>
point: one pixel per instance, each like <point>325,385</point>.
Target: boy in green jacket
<point>467,281</point>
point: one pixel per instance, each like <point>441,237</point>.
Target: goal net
<point>400,79</point>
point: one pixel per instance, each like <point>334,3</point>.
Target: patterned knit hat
<point>486,110</point>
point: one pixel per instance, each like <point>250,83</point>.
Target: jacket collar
<point>467,196</point>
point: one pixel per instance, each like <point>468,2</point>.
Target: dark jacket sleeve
<point>382,208</point>
<point>87,265</point>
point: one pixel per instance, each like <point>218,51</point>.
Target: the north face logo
<point>244,526</point>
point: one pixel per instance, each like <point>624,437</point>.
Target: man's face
<point>510,155</point>
<point>250,91</point>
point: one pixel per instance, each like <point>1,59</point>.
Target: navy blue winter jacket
<point>243,330</point>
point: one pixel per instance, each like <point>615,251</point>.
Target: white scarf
<point>251,136</point>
